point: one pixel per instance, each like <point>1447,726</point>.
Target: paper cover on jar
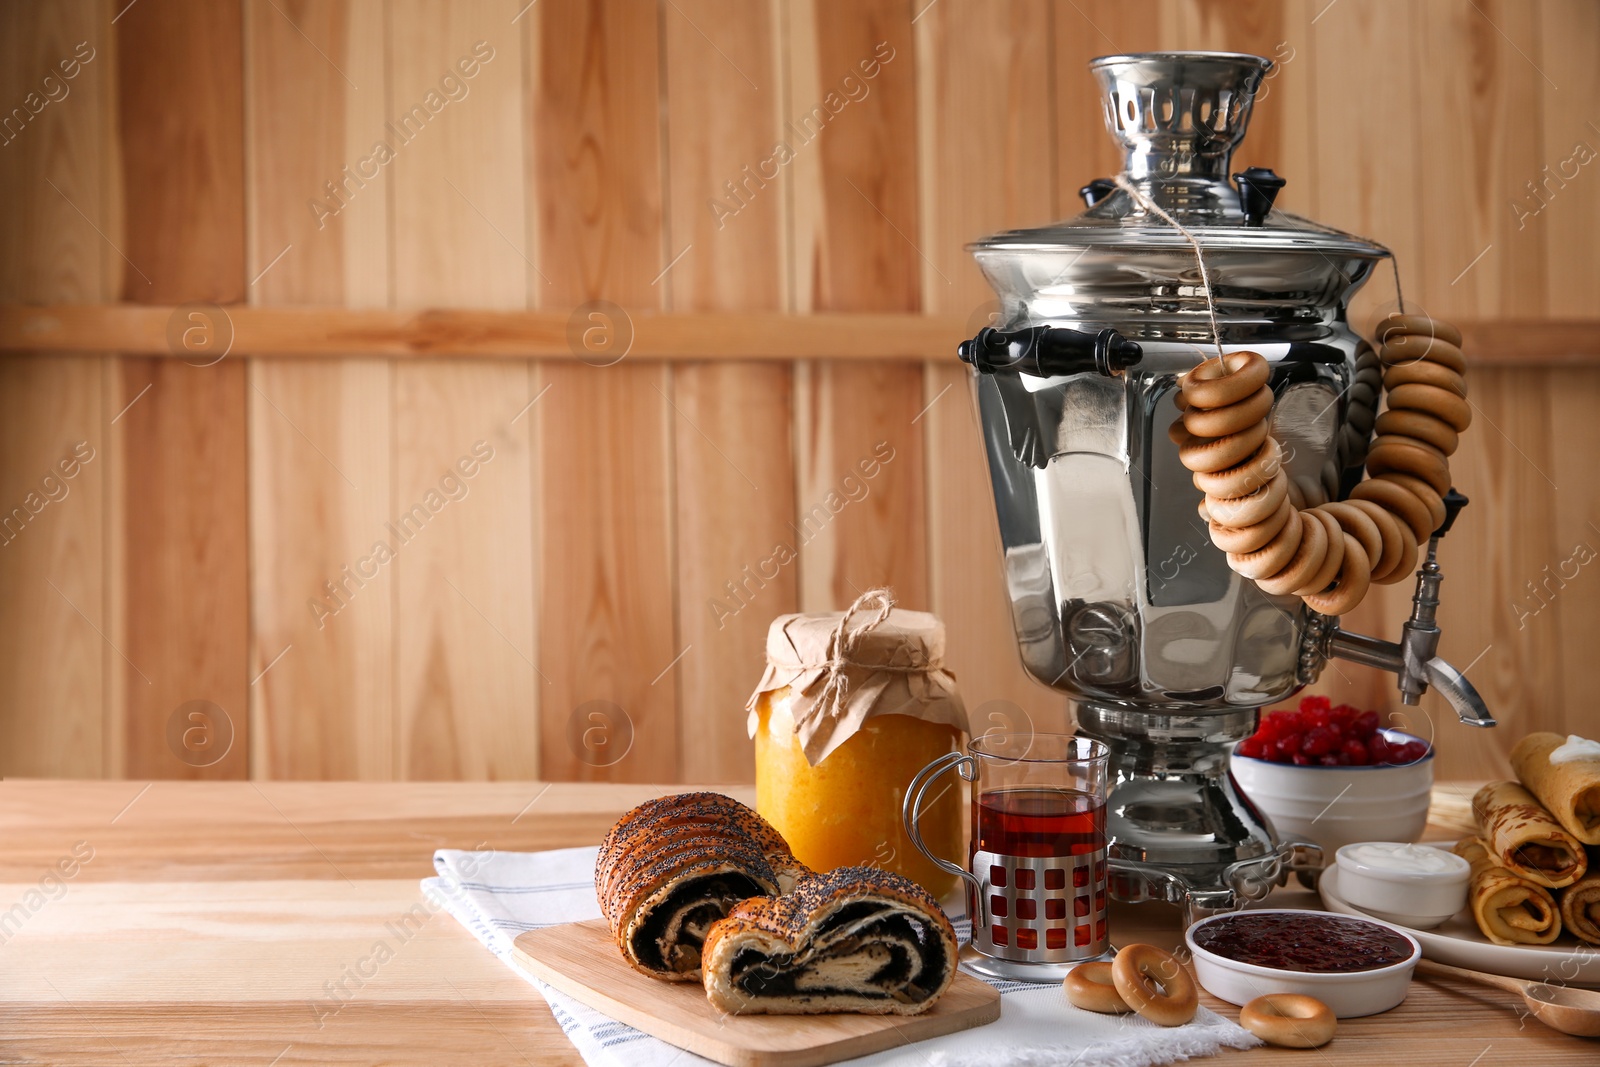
<point>843,668</point>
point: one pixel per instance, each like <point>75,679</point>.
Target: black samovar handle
<point>1048,351</point>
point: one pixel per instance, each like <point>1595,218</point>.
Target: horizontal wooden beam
<point>596,333</point>
<point>600,334</point>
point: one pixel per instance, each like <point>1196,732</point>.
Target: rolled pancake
<point>1508,908</point>
<point>1569,791</point>
<point>1524,838</point>
<point>1580,908</point>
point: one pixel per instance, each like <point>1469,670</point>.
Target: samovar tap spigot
<point>1414,658</point>
<point>1419,641</point>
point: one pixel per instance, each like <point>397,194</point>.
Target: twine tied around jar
<point>842,642</point>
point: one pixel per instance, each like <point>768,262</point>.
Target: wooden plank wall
<point>57,173</point>
<point>179,541</point>
<point>321,434</point>
<point>480,570</point>
<point>733,423</point>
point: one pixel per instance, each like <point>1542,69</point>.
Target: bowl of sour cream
<point>1412,885</point>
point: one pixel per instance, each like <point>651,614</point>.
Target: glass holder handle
<point>911,812</point>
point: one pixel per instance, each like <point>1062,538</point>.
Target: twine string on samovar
<point>1205,281</point>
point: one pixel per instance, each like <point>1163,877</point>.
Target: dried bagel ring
<point>1251,508</point>
<point>1410,348</point>
<point>1451,407</point>
<point>1218,383</point>
<point>1297,496</point>
<point>1408,557</point>
<point>1218,453</point>
<point>1245,477</point>
<point>1090,986</point>
<point>1331,563</point>
<point>1306,561</point>
<point>1360,418</point>
<point>1177,434</point>
<point>1352,442</point>
<point>1276,554</point>
<point>1250,538</point>
<point>1418,325</point>
<point>1420,462</point>
<point>1355,576</point>
<point>1358,524</point>
<point>1424,492</point>
<point>1419,424</point>
<point>1311,490</point>
<point>1409,442</point>
<point>1390,529</point>
<point>1404,504</point>
<point>1330,479</point>
<point>1154,984</point>
<point>1423,372</point>
<point>1219,422</point>
<point>1289,1020</point>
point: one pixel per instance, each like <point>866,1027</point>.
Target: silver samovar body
<point>1118,596</point>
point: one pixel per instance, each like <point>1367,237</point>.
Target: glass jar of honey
<point>850,708</point>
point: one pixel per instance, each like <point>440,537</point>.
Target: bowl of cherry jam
<point>1354,966</point>
<point>1335,775</point>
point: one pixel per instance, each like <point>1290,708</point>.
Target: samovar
<point>1118,597</point>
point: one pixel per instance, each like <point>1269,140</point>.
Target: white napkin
<point>498,895</point>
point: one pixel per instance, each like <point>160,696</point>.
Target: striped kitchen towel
<point>499,895</point>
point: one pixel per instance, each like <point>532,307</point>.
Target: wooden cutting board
<point>581,960</point>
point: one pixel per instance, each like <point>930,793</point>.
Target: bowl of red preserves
<point>1354,966</point>
<point>1335,775</point>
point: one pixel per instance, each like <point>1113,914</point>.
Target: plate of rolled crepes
<point>1533,903</point>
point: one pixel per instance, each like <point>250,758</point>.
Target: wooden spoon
<point>1572,1011</point>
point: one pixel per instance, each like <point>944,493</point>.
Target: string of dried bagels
<point>1293,536</point>
<point>1287,536</point>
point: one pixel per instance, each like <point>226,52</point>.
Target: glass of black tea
<point>1036,869</point>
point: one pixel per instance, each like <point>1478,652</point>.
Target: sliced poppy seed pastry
<point>674,865</point>
<point>856,939</point>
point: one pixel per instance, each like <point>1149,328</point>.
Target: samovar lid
<point>1178,117</point>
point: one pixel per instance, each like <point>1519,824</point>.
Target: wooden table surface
<point>217,922</point>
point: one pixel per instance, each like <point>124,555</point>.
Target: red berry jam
<point>1319,944</point>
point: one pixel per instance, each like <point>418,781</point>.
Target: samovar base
<point>1180,830</point>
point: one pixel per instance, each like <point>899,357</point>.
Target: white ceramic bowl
<point>1415,898</point>
<point>1348,994</point>
<point>1338,806</point>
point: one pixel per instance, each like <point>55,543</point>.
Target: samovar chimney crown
<point>1179,114</point>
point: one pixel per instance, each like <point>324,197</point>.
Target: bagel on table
<point>1289,1020</point>
<point>1090,986</point>
<point>1153,983</point>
